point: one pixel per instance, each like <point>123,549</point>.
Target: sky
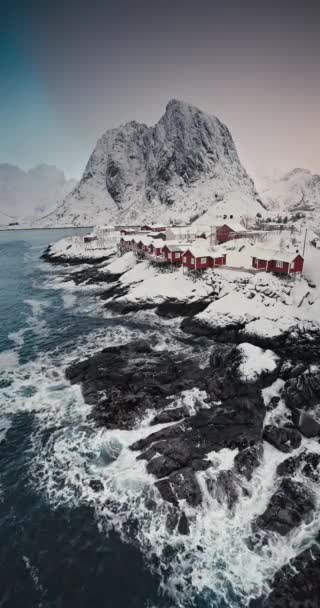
<point>70,69</point>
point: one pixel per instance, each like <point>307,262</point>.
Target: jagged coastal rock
<point>183,166</point>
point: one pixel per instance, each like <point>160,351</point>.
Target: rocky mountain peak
<point>182,165</point>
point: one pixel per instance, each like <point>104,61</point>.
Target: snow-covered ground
<point>266,304</point>
<point>75,247</point>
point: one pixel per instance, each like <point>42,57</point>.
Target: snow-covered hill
<point>298,190</point>
<point>27,195</point>
<point>184,165</point>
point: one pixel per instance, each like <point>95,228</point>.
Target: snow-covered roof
<point>158,243</point>
<point>236,226</point>
<point>199,250</point>
<point>271,254</point>
<point>176,245</point>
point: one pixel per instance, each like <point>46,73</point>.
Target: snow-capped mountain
<point>181,167</point>
<point>28,195</point>
<point>298,190</point>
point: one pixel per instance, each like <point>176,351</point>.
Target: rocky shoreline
<point>124,383</point>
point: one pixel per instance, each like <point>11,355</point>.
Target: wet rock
<point>183,525</point>
<point>166,491</point>
<point>235,423</point>
<point>172,520</point>
<point>225,488</point>
<point>175,308</point>
<point>273,403</point>
<point>289,506</point>
<point>296,585</point>
<point>284,439</point>
<point>123,382</point>
<point>303,391</point>
<point>127,307</point>
<point>96,485</point>
<point>248,460</point>
<point>170,415</point>
<point>186,487</point>
<point>307,424</point>
<point>308,463</point>
<point>92,276</point>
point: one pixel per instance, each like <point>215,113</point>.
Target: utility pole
<point>304,244</point>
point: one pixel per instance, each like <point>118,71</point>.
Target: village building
<point>185,233</point>
<point>280,262</point>
<point>199,257</point>
<point>229,231</point>
<point>172,252</point>
<point>153,228</point>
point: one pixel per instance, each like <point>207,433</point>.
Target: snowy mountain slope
<point>182,166</point>
<point>27,195</point>
<point>298,190</point>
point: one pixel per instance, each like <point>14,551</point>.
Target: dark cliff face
<point>135,169</point>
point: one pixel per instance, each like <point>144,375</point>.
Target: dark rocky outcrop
<point>248,460</point>
<point>47,256</point>
<point>297,344</point>
<point>289,506</point>
<point>225,488</point>
<point>283,438</point>
<point>123,382</point>
<point>174,308</point>
<point>308,463</point>
<point>178,451</point>
<point>306,423</point>
<point>92,276</point>
<point>303,391</point>
<point>296,585</point>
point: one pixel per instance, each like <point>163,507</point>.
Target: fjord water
<point>52,550</point>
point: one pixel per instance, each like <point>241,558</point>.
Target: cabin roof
<point>199,250</point>
<point>272,254</point>
<point>235,226</point>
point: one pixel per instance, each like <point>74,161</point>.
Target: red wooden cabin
<point>200,258</point>
<point>172,253</point>
<point>280,262</point>
<point>156,249</point>
<point>230,231</point>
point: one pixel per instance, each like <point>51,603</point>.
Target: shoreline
<point>121,383</point>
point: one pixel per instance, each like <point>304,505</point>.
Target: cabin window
<point>169,256</point>
<point>192,260</point>
<point>177,255</point>
<point>184,259</point>
<point>279,264</point>
<point>203,260</point>
<point>292,266</point>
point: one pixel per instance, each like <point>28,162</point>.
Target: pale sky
<point>70,69</point>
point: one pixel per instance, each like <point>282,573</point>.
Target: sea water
<point>64,545</point>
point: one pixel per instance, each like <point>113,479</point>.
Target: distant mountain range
<point>184,166</point>
<point>25,196</point>
<point>297,190</point>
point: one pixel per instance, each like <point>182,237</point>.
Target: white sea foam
<point>215,556</point>
<point>215,553</point>
<point>9,360</point>
<point>5,424</point>
<point>69,300</point>
<point>17,337</point>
